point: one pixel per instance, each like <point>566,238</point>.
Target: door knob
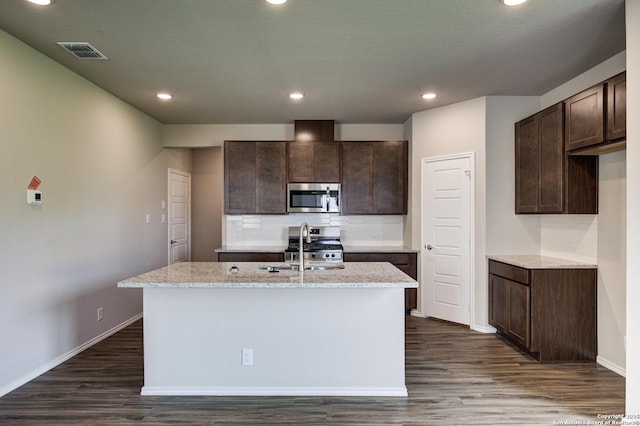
<point>428,247</point>
<point>173,241</point>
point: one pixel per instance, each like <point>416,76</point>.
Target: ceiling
<point>356,61</point>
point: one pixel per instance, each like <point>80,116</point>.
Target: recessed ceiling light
<point>429,95</point>
<point>41,2</point>
<point>277,1</point>
<point>164,96</point>
<point>512,2</point>
<point>296,95</point>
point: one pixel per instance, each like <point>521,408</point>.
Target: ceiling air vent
<point>82,50</point>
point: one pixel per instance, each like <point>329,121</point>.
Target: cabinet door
<point>540,159</point>
<point>239,177</point>
<point>314,161</point>
<point>357,178</point>
<point>584,115</point>
<point>551,160</point>
<point>527,164</point>
<point>498,307</point>
<point>271,176</point>
<point>374,177</point>
<point>509,309</point>
<point>617,107</point>
<point>301,158</point>
<point>255,177</point>
<point>519,313</point>
<point>390,177</point>
<point>326,164</point>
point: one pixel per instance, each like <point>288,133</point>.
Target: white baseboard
<point>272,391</point>
<point>475,327</point>
<point>62,358</point>
<point>611,366</point>
<point>483,328</point>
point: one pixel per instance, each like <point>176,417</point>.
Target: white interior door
<point>179,218</point>
<point>447,209</point>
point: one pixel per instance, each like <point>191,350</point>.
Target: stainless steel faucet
<point>301,248</point>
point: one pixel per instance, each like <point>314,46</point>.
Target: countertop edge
<point>540,262</point>
<point>268,285</point>
<point>347,249</point>
<point>247,275</point>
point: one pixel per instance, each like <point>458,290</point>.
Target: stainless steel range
<point>324,246</point>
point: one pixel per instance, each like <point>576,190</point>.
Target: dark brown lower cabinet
<point>250,256</point>
<point>407,262</point>
<point>550,313</point>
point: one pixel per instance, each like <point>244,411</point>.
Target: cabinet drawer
<point>513,273</point>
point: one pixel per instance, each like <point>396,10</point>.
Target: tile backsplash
<point>270,230</point>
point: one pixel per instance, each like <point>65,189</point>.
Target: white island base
<point>305,340</point>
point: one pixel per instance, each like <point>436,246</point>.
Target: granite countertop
<point>253,249</point>
<point>540,262</point>
<point>347,248</point>
<point>220,275</point>
<point>374,249</point>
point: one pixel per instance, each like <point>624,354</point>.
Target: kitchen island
<point>221,328</point>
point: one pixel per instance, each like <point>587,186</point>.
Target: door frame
<point>167,204</point>
<point>471,155</point>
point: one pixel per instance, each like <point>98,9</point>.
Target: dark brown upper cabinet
<point>314,161</point>
<point>374,177</point>
<point>314,156</point>
<point>539,162</point>
<point>255,177</point>
<point>617,107</point>
<point>585,118</point>
<point>596,118</point>
<point>313,130</point>
<point>548,180</point>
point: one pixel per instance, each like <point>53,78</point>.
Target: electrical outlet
<point>247,357</point>
<point>99,314</point>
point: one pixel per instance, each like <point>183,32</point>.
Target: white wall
<point>271,230</point>
<point>633,207</point>
<point>103,168</point>
<point>206,203</point>
<point>567,236</point>
<point>451,130</point>
<point>612,255</point>
<point>523,236</point>
<point>601,238</point>
<point>203,135</point>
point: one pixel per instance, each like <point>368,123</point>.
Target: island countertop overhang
<point>249,275</point>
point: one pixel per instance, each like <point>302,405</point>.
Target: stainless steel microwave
<point>313,198</point>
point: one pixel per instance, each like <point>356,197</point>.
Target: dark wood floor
<point>454,376</point>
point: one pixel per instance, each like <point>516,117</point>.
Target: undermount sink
<point>308,266</point>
